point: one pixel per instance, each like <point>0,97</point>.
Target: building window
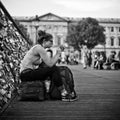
<point>112,29</point>
<point>112,41</point>
<point>58,40</point>
<point>119,29</point>
<point>119,41</point>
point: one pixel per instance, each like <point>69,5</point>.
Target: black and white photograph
<point>59,59</point>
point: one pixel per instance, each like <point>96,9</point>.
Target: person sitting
<point>47,81</point>
<point>111,61</point>
<point>99,62</point>
<point>29,70</point>
<point>95,59</point>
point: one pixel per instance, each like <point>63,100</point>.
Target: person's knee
<point>55,69</point>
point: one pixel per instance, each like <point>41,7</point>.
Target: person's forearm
<point>55,58</point>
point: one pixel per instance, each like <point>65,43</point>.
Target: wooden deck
<point>99,99</point>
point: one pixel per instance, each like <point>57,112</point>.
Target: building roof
<point>53,17</point>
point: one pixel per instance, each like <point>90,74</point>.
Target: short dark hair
<point>43,36</point>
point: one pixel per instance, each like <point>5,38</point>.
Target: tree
<point>87,32</point>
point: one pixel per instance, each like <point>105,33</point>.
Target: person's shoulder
<point>37,46</point>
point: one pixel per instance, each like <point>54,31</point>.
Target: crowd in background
<point>93,59</point>
<point>69,57</point>
<point>99,60</point>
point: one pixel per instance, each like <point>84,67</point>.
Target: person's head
<point>45,39</point>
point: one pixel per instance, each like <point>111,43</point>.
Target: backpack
<point>32,90</point>
<point>68,82</point>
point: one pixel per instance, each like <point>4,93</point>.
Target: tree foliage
<point>87,32</point>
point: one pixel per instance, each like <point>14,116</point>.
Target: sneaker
<point>64,92</point>
<point>84,67</point>
<point>69,98</point>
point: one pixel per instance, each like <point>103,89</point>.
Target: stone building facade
<point>58,27</point>
<point>53,24</point>
<point>112,33</point>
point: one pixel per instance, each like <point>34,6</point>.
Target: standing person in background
<point>89,58</point>
<point>118,56</point>
<point>63,57</point>
<point>29,70</point>
<point>84,57</point>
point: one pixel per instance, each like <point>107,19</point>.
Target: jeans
<point>41,74</point>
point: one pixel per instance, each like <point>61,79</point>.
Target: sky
<point>64,8</point>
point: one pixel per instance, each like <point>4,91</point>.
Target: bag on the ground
<point>32,90</point>
<point>68,82</point>
<point>106,66</point>
<point>115,66</point>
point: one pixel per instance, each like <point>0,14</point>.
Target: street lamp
<point>36,25</point>
<point>104,48</point>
